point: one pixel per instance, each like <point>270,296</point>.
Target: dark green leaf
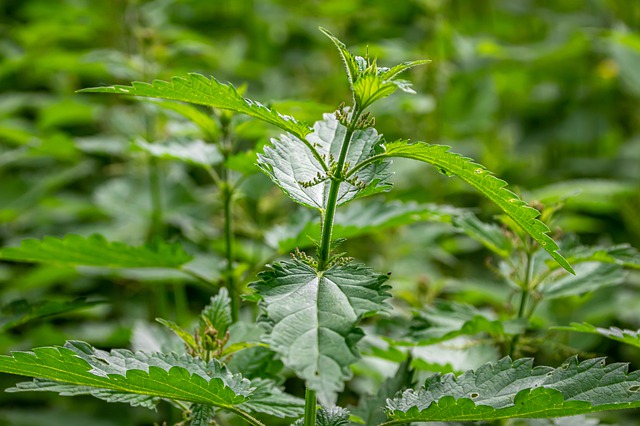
<point>21,311</point>
<point>590,276</point>
<point>517,389</point>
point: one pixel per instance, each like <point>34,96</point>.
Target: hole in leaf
<point>474,395</point>
<point>635,388</point>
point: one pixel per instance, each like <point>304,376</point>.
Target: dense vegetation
<point>115,211</point>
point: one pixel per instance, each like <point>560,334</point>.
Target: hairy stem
<point>310,406</point>
<point>524,298</point>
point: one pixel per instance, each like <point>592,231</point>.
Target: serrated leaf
<point>313,318</point>
<point>332,416</point>
<point>186,337</point>
<point>95,251</point>
<point>490,235</point>
<point>267,398</point>
<point>64,389</point>
<point>197,153</point>
<point>218,311</point>
<point>630,337</point>
<point>21,311</point>
<point>301,175</point>
<point>169,376</point>
<point>484,181</point>
<point>590,276</point>
<point>513,389</point>
<point>370,409</point>
<point>198,89</point>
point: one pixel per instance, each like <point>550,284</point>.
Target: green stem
<point>328,215</point>
<point>155,190</point>
<point>310,406</point>
<point>248,417</point>
<point>524,298</point>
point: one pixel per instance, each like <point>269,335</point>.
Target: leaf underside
<point>292,165</point>
<point>198,89</point>
<point>21,311</point>
<point>95,250</point>
<point>316,335</point>
<point>507,389</point>
<point>197,153</point>
<point>484,181</point>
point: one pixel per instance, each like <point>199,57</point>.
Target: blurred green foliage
<point>544,93</point>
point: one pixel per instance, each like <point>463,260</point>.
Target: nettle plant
<point>313,304</point>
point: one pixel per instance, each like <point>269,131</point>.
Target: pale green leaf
<point>197,153</point>
<point>186,337</point>
<point>198,89</point>
<point>65,389</point>
<point>218,311</point>
<point>622,254</point>
<point>350,61</point>
<point>169,376</point>
<point>205,122</point>
<point>630,337</point>
<point>316,335</point>
<point>508,389</point>
<point>589,276</point>
<point>267,398</point>
<point>95,251</point>
<point>484,181</point>
<point>21,311</point>
<point>303,176</point>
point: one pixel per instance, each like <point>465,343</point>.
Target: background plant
<point>507,76</point>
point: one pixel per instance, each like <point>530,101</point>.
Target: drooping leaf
<point>65,389</point>
<point>169,376</point>
<point>313,318</point>
<point>304,177</point>
<point>21,311</point>
<point>198,89</point>
<point>197,153</point>
<point>509,388</point>
<point>484,181</point>
<point>95,251</point>
<point>267,398</point>
<point>590,276</point>
<point>371,407</point>
<point>630,337</point>
<point>332,416</point>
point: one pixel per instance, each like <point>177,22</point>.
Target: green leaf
<point>21,311</point>
<point>313,318</point>
<point>95,251</point>
<point>333,416</point>
<point>170,376</point>
<point>218,311</point>
<point>64,389</point>
<point>267,398</point>
<point>368,82</point>
<point>186,337</point>
<point>198,89</point>
<point>590,276</point>
<point>484,181</point>
<point>630,337</point>
<point>622,254</point>
<point>201,415</point>
<point>490,235</point>
<point>197,153</point>
<point>448,320</point>
<point>517,389</point>
<point>371,408</point>
<point>206,123</point>
<point>304,177</point>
